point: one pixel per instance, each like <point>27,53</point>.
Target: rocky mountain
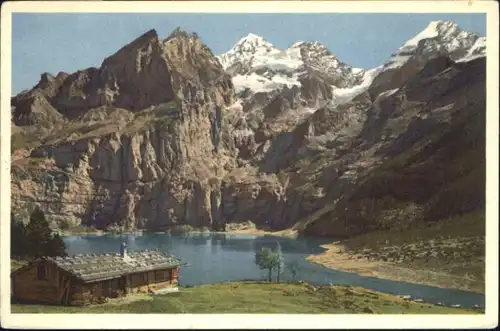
<point>277,89</point>
<point>128,143</point>
<point>166,133</point>
<point>257,65</point>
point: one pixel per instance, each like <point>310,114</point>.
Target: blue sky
<point>69,42</point>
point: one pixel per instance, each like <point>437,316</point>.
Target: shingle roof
<point>94,267</point>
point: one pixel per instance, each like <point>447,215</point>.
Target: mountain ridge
<point>175,118</point>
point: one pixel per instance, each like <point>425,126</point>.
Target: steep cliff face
<point>165,133</point>
<point>142,137</point>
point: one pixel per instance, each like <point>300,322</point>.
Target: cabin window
<point>40,272</point>
<point>140,278</point>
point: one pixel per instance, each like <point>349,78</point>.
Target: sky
<point>48,42</point>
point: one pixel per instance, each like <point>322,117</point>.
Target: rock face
<point>165,133</point>
<point>142,137</point>
<point>428,139</point>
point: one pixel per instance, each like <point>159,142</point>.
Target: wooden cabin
<point>92,278</point>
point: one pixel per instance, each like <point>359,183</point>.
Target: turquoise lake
<point>214,258</point>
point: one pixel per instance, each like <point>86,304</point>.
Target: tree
<point>38,234</point>
<point>264,259</point>
<point>17,234</point>
<point>278,261</point>
<point>293,267</point>
<point>36,239</point>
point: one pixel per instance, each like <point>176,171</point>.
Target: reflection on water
<point>222,257</point>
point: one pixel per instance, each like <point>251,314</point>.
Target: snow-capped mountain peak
<point>311,48</point>
<point>434,29</point>
<point>252,38</point>
<point>439,37</point>
<point>256,64</point>
<point>252,43</point>
<point>246,49</point>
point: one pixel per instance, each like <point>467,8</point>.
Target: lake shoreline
<point>250,231</point>
<point>335,257</point>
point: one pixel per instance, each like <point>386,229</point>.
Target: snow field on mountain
<point>258,83</point>
<point>289,60</point>
<point>266,68</point>
<point>476,51</point>
<point>343,95</point>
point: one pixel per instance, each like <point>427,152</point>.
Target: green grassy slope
<point>256,297</point>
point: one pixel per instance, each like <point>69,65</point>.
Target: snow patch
<point>279,61</point>
<point>344,95</point>
<point>258,83</point>
<point>309,110</point>
<point>479,45</point>
<point>447,107</point>
<point>468,58</point>
<point>298,44</point>
<point>476,51</point>
<point>387,93</point>
<point>357,70</point>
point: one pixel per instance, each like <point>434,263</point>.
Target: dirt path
<point>336,258</point>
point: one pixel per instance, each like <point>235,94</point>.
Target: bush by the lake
<point>35,239</point>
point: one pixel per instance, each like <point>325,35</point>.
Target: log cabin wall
<point>143,282</point>
<point>45,282</point>
<point>90,293</point>
<point>42,282</point>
